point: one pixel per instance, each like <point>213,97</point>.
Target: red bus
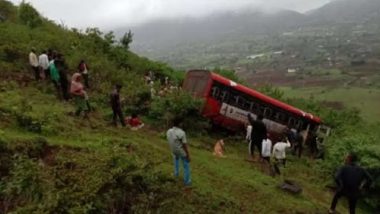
<point>228,103</point>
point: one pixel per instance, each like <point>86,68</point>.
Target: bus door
<point>323,131</point>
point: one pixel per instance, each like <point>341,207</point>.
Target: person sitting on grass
<point>134,122</point>
<point>79,95</point>
<point>219,149</point>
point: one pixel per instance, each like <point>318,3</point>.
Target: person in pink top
<point>79,94</point>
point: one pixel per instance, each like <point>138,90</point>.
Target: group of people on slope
<point>50,65</point>
<point>166,86</point>
<point>350,178</point>
<point>258,136</point>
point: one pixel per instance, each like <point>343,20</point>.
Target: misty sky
<point>108,14</point>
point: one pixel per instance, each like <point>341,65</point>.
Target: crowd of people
<point>51,66</point>
<point>350,179</point>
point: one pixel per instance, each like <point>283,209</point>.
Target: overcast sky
<point>108,14</point>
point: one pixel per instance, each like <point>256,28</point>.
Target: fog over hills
<point>171,34</point>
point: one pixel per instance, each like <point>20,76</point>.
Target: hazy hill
<point>226,25</point>
<point>170,35</point>
<point>354,11</point>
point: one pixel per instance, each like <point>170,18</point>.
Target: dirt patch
<point>282,79</point>
<point>48,155</point>
<point>22,79</point>
<point>333,105</point>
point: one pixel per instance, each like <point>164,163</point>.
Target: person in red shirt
<point>134,122</point>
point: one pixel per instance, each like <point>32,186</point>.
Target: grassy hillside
<point>53,162</point>
<point>77,166</point>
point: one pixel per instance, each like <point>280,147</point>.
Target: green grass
<point>229,185</point>
<point>366,100</point>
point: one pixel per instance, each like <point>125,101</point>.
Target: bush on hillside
<point>178,104</point>
<point>29,16</point>
<point>8,12</point>
<point>271,91</point>
<point>74,180</point>
<point>228,74</point>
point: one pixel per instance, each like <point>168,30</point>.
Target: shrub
<point>179,104</point>
<point>7,11</point>
<point>29,16</point>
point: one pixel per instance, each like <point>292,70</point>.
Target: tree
<point>29,16</point>
<point>110,38</point>
<point>126,40</point>
<point>7,11</point>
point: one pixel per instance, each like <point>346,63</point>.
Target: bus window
<point>215,91</point>
<point>260,109</point>
<point>291,122</point>
<point>299,124</point>
<point>224,95</point>
<point>235,100</point>
<point>251,106</point>
<point>268,113</point>
<point>280,117</point>
<point>198,85</point>
<point>241,102</point>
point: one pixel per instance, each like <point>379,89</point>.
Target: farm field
<point>366,100</point>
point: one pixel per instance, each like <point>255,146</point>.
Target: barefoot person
<point>178,145</point>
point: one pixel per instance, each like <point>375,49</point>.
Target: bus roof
<point>264,98</point>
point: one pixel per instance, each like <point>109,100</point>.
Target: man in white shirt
<point>248,138</point>
<point>279,153</point>
<point>33,61</point>
<point>266,151</point>
<point>43,62</point>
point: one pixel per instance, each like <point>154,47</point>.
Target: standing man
<point>279,153</point>
<point>83,69</point>
<point>299,142</point>
<point>266,153</point>
<point>350,180</point>
<point>259,133</point>
<point>61,66</point>
<point>33,61</point>
<point>54,74</point>
<point>116,106</point>
<point>178,144</point>
<point>248,137</point>
<point>43,62</point>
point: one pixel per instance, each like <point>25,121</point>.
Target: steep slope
<point>54,162</point>
<point>86,166</point>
